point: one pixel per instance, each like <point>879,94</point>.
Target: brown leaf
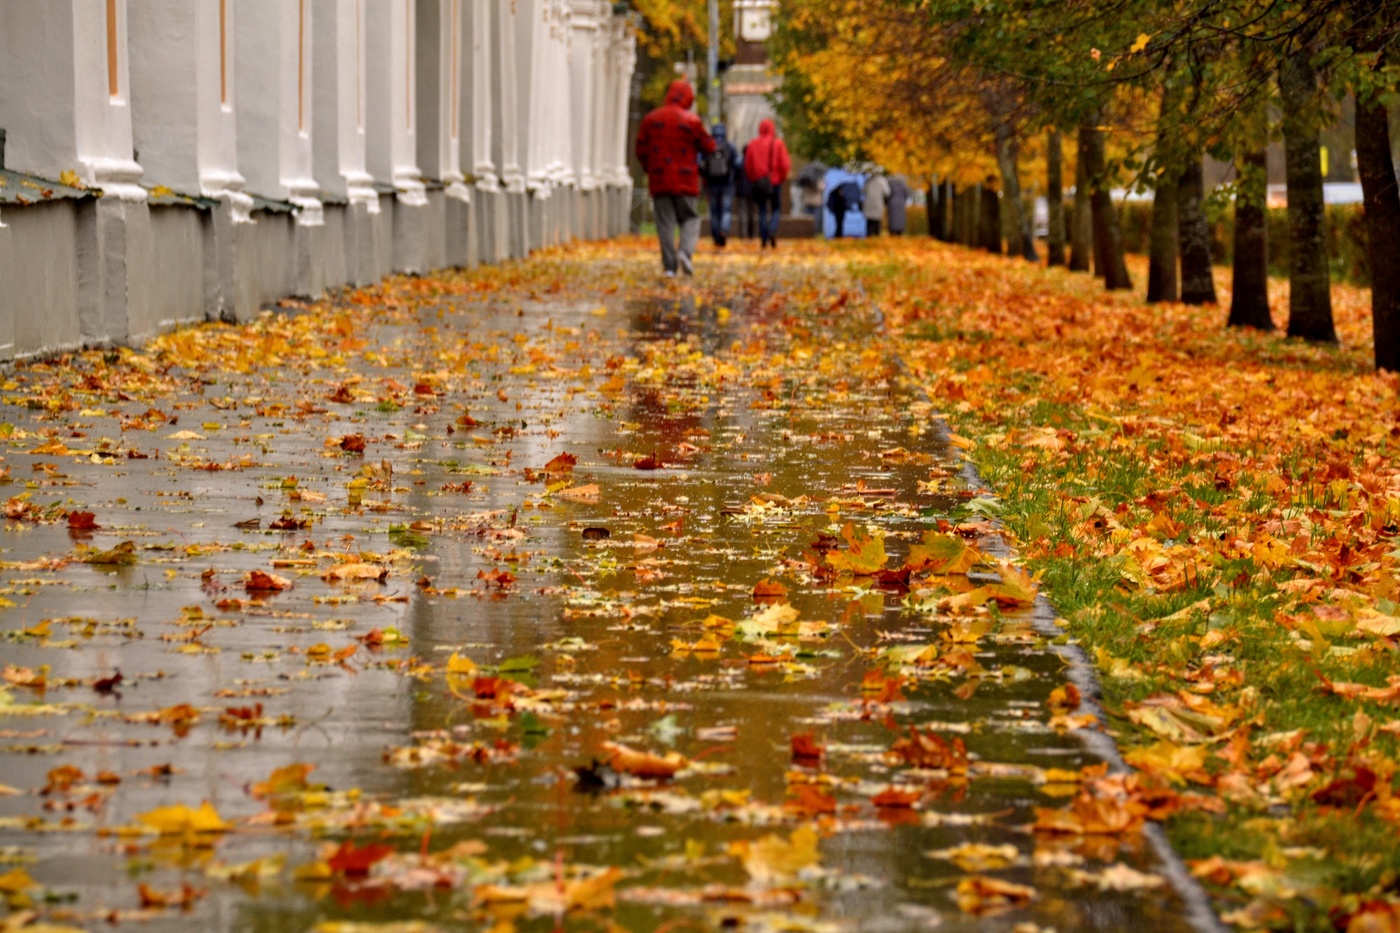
<point>643,764</point>
<point>256,581</point>
<point>82,521</point>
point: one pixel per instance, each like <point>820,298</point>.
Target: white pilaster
<point>103,101</point>
<point>482,99</point>
<point>623,64</point>
<point>272,102</point>
<point>392,140</point>
<point>561,118</point>
<point>186,129</point>
<point>583,98</point>
<point>337,120</point>
<point>506,135</point>
<point>452,84</point>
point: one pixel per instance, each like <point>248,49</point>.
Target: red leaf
<point>806,751</point>
<point>356,863</point>
<point>82,521</point>
<point>896,799</point>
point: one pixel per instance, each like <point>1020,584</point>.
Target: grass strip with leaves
<point>1213,514</point>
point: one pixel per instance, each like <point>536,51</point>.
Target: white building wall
<point>311,123</point>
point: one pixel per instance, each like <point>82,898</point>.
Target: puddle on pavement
<point>734,409</point>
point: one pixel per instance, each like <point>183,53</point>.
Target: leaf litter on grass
<point>1213,513</point>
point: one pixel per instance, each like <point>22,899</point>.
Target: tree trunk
<point>1081,245</point>
<point>1309,280</point>
<point>1193,231</point>
<point>1249,289</point>
<point>1382,200</point>
<point>989,221</point>
<point>1162,251</point>
<point>1021,240</point>
<point>935,210</point>
<point>948,198</point>
<point>1055,197</point>
<point>954,215</point>
<point>967,225</point>
<point>1108,236</point>
<point>962,220</point>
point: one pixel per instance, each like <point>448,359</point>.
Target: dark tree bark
<point>1249,289</point>
<point>1021,240</point>
<point>935,210</point>
<point>1193,229</point>
<point>1055,197</point>
<point>1162,249</point>
<point>948,197</point>
<point>989,221</point>
<point>964,216</point>
<point>1309,280</point>
<point>1081,245</point>
<point>1378,190</point>
<point>1108,235</point>
<point>955,217</point>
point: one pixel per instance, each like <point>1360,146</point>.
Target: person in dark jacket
<point>844,197</point>
<point>746,211</point>
<point>670,142</point>
<point>766,165</point>
<point>898,205</point>
<point>720,170</point>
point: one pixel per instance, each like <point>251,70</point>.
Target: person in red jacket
<point>669,143</point>
<point>766,165</point>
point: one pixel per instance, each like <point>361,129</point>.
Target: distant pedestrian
<point>877,192</point>
<point>670,142</point>
<point>896,209</point>
<point>720,170</point>
<point>766,165</point>
<point>844,197</point>
<point>811,182</point>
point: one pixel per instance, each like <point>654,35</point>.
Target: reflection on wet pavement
<point>466,707</point>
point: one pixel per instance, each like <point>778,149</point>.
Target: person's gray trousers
<point>674,210</point>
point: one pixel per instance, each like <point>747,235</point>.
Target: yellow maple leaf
<point>459,664</point>
<point>865,556</point>
<point>1176,762</point>
<point>178,819</point>
<point>15,881</point>
<point>773,859</point>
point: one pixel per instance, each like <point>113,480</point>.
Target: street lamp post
<point>713,108</point>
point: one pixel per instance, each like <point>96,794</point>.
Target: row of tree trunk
<point>1180,231</point>
<point>1179,262</point>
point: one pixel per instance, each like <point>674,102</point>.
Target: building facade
<point>171,161</point>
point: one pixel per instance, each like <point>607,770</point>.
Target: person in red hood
<point>669,143</point>
<point>766,166</point>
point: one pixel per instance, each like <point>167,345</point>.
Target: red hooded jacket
<point>668,142</point>
<point>767,155</point>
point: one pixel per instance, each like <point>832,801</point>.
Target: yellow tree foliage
<point>876,75</point>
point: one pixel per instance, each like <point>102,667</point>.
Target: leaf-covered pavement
<point>547,594</point>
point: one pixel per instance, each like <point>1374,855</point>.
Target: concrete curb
<point>1081,672</point>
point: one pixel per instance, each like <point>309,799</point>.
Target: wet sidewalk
<point>549,595</point>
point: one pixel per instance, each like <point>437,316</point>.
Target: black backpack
<point>718,164</point>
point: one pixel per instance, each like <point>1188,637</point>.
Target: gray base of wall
<point>100,271</point>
